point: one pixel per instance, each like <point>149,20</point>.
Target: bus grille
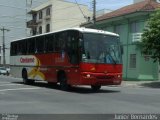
<point>105,77</point>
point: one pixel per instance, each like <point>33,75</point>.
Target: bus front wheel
<point>95,88</point>
<point>63,82</point>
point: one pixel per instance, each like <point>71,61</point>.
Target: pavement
<point>148,84</point>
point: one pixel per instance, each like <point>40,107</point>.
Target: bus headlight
<point>119,76</point>
<point>88,75</point>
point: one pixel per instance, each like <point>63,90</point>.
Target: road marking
<point>4,82</point>
<point>18,89</point>
<point>9,84</point>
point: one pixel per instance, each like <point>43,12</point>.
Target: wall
<point>67,14</point>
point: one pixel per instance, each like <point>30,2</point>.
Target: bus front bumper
<point>101,79</point>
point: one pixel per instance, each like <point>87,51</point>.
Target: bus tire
<point>25,78</point>
<point>63,82</point>
<point>95,88</point>
<point>52,84</point>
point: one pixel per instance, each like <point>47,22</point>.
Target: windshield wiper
<point>112,58</point>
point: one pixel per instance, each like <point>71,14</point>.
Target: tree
<point>151,37</point>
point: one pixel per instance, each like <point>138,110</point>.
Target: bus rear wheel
<point>25,78</point>
<point>95,88</point>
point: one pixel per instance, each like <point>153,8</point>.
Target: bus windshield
<point>101,48</point>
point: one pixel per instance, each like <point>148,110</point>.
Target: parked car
<point>3,71</point>
<point>8,70</point>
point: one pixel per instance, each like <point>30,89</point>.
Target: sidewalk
<point>150,84</point>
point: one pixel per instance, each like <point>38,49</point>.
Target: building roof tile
<point>147,5</point>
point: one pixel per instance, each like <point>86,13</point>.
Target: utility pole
<point>26,18</point>
<point>94,12</point>
<point>3,44</point>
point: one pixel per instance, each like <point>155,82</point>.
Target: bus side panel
<point>29,63</point>
<point>46,63</point>
<point>51,63</point>
<point>16,70</point>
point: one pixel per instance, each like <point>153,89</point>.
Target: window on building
<point>48,28</point>
<point>132,61</point>
<point>34,31</point>
<point>48,12</point>
<point>40,30</point>
<point>40,15</point>
<point>135,27</point>
<point>34,16</point>
<point>117,29</point>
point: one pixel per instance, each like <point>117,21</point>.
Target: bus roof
<point>88,30</point>
<point>82,29</point>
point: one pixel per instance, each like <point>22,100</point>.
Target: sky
<point>105,4</point>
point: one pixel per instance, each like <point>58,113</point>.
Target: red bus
<point>77,56</point>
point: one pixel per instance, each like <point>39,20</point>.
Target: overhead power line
<point>86,17</point>
<point>94,11</point>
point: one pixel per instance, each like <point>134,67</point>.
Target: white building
<point>57,14</point>
<point>13,17</point>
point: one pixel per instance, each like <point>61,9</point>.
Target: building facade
<point>13,17</point>
<point>129,22</point>
<point>55,15</point>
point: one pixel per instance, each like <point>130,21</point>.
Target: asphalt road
<point>41,98</point>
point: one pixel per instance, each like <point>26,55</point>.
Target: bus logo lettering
<point>27,60</point>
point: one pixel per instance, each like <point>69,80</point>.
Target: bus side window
<point>21,47</point>
<point>40,43</point>
<point>60,41</point>
<point>72,46</point>
<point>13,48</point>
<point>57,45</point>
<point>49,43</point>
<point>31,45</point>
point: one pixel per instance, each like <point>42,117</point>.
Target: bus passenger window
<point>49,43</point>
<point>57,45</point>
<point>72,46</point>
<point>40,44</point>
<point>21,47</point>
<point>31,46</point>
<point>13,49</point>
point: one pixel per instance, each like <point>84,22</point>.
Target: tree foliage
<point>151,36</point>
